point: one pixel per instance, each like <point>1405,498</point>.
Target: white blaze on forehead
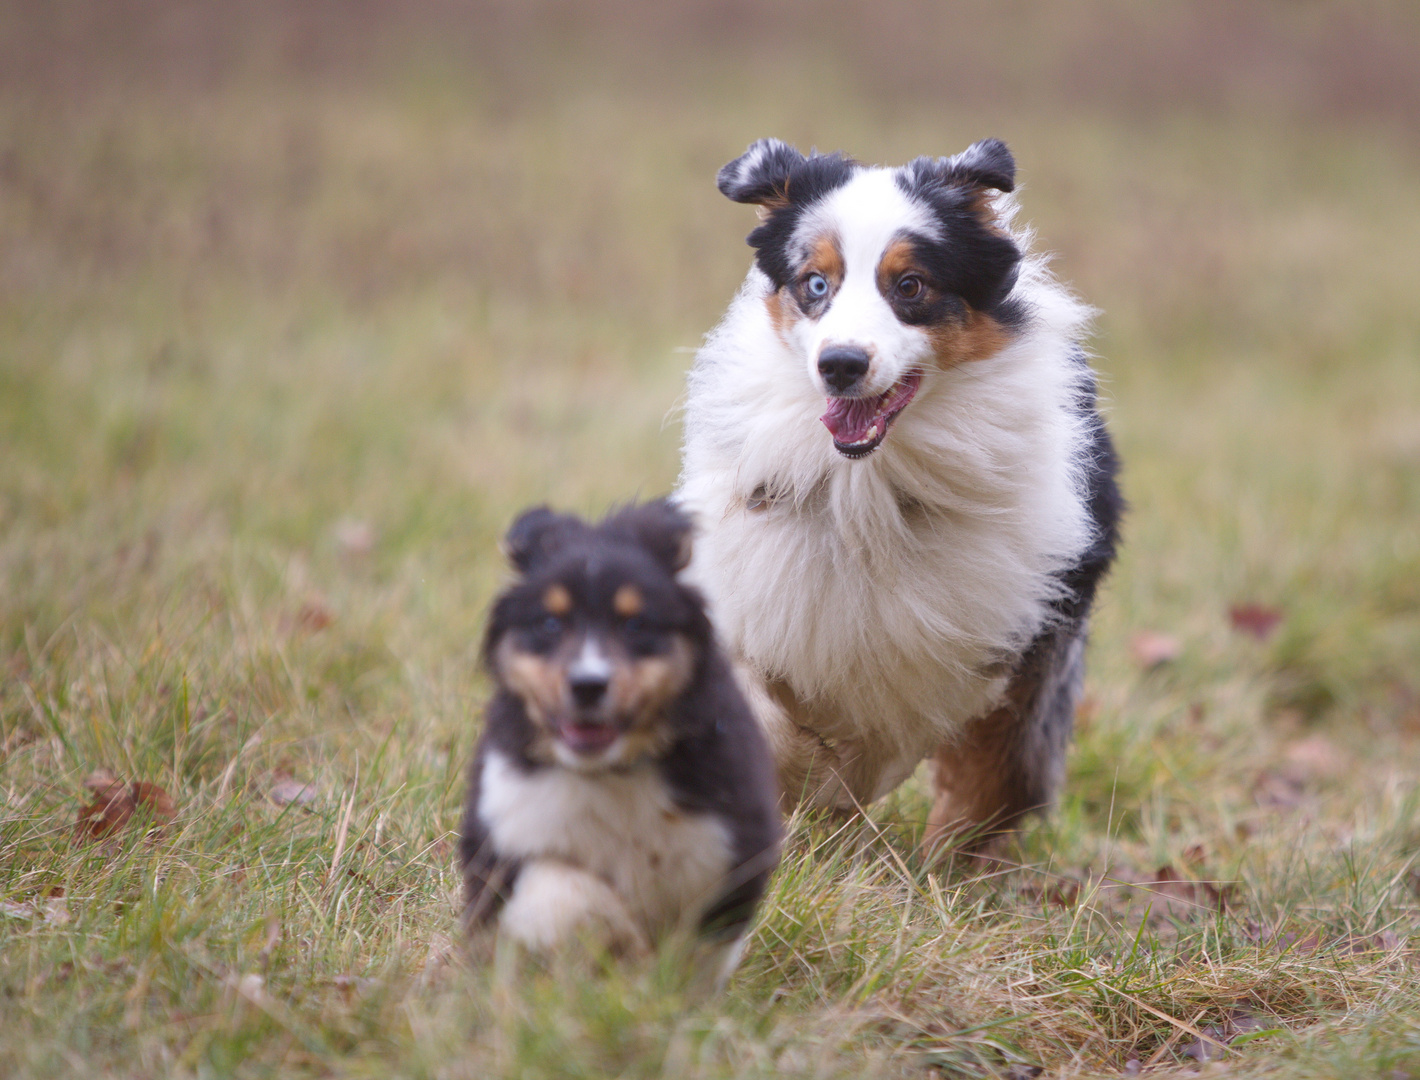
<point>591,663</point>
<point>864,216</point>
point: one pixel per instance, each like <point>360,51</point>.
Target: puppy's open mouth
<point>859,425</point>
<point>587,736</point>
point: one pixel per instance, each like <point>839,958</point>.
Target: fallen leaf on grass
<point>250,987</point>
<point>353,984</point>
<point>115,803</point>
<point>315,615</point>
<point>1150,649</point>
<point>53,910</point>
<point>1206,1050</point>
<point>1259,620</point>
<point>287,790</point>
<point>354,537</point>
<point>1181,895</point>
<point>1316,755</point>
<point>1277,789</point>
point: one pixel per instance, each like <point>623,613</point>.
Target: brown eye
<point>910,287</point>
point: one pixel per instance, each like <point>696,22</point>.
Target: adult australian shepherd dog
<point>907,497</point>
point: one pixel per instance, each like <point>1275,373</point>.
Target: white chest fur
<point>888,592</point>
<point>664,864</point>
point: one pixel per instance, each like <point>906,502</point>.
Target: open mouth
<point>859,425</point>
<point>587,736</point>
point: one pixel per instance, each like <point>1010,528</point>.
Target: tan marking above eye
<point>899,261</point>
<point>627,601</point>
<point>824,259</point>
<point>557,600</point>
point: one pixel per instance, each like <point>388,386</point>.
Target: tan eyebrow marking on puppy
<point>627,601</point>
<point>557,600</point>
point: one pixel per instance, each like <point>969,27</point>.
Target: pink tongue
<point>848,419</point>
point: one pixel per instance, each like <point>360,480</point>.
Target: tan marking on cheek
<point>652,682</point>
<point>627,601</point>
<point>977,338</point>
<point>533,678</point>
<point>640,691</point>
<point>783,313</point>
<point>557,600</point>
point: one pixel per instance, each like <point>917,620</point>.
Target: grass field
<point>297,310</point>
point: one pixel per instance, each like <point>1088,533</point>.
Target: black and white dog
<point>621,788</point>
<point>907,497</point>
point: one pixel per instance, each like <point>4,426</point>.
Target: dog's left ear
<point>661,528</point>
<point>761,174</point>
<point>986,164</point>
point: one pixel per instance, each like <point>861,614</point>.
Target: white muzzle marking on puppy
<point>591,663</point>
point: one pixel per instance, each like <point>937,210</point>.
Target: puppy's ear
<point>659,527</point>
<point>761,174</point>
<point>984,164</point>
<point>536,534</point>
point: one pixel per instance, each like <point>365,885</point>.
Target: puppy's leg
<point>555,902</point>
<point>1011,761</point>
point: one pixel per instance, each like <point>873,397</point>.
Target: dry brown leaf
<point>1277,789</point>
<point>1183,896</point>
<point>1150,648</point>
<point>287,790</point>
<point>315,615</point>
<point>1258,620</point>
<point>115,803</point>
<point>1316,755</point>
<point>354,537</point>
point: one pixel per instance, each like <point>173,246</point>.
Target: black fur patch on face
<point>974,260</point>
<point>785,184</point>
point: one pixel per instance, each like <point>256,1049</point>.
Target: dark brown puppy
<point>621,788</point>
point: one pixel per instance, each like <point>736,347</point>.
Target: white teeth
<point>872,433</point>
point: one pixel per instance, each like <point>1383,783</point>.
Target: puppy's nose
<point>588,690</point>
<point>842,367</point>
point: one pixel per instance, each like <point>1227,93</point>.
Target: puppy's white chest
<point>665,864</point>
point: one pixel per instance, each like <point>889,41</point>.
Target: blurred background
<point>301,302</point>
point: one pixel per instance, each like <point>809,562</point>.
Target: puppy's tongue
<point>852,420</point>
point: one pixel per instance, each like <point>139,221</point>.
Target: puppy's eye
<point>910,287</point>
<point>816,285</point>
<point>542,637</point>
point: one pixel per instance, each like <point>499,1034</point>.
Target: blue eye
<point>816,285</point>
<point>552,625</point>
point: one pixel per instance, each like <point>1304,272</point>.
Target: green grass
<point>248,313</point>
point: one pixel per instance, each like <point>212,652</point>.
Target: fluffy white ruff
<point>890,593</point>
<point>606,848</point>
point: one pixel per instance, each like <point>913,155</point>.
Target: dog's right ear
<point>761,174</point>
<point>535,535</point>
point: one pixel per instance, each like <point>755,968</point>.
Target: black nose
<point>842,366</point>
<point>588,690</point>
